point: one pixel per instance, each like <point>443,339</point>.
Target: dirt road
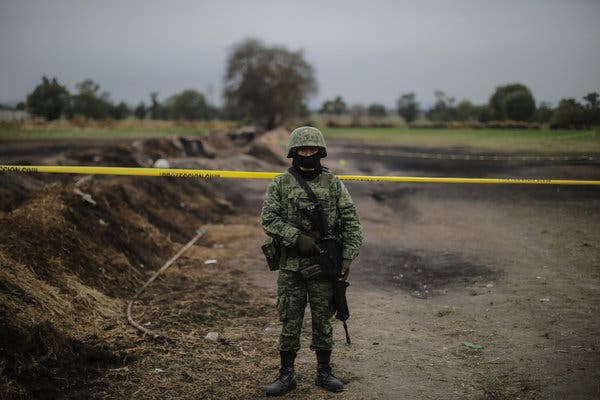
<point>512,268</point>
<point>515,269</point>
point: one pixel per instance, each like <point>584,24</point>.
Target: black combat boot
<point>325,378</point>
<point>287,377</point>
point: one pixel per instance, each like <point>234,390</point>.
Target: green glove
<point>306,246</point>
<point>345,269</point>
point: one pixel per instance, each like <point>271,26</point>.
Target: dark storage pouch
<point>310,271</point>
<point>270,249</point>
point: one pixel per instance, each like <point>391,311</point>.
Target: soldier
<point>295,238</point>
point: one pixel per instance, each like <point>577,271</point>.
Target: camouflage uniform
<point>282,221</point>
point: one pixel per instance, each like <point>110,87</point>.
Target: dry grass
<point>68,268</point>
<point>107,129</point>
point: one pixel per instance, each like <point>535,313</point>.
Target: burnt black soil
<point>56,366</point>
<point>420,272</point>
<point>426,273</point>
<point>390,194</point>
<point>471,168</point>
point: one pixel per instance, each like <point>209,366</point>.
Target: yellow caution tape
<point>215,174</point>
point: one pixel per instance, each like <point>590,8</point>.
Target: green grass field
<point>503,140</point>
<point>488,140</point>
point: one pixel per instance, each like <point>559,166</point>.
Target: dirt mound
<point>75,249</point>
<point>223,143</point>
<point>171,147</point>
<point>112,155</point>
<point>270,147</point>
<point>14,189</point>
<point>66,259</point>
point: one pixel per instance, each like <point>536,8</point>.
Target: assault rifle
<point>330,251</point>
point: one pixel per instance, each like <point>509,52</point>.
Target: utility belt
<point>277,254</point>
<point>308,267</point>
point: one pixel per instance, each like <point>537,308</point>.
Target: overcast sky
<point>365,51</point>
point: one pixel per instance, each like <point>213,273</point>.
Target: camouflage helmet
<point>306,136</point>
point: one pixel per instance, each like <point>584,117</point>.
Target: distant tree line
<point>512,102</point>
<point>52,100</point>
<point>270,85</point>
<point>264,85</point>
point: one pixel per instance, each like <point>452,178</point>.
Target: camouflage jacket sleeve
<point>351,228</point>
<point>273,215</point>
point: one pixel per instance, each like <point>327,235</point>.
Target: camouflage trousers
<point>292,293</point>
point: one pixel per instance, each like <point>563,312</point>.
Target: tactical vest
<point>327,188</point>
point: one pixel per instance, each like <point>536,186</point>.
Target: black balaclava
<point>311,163</point>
